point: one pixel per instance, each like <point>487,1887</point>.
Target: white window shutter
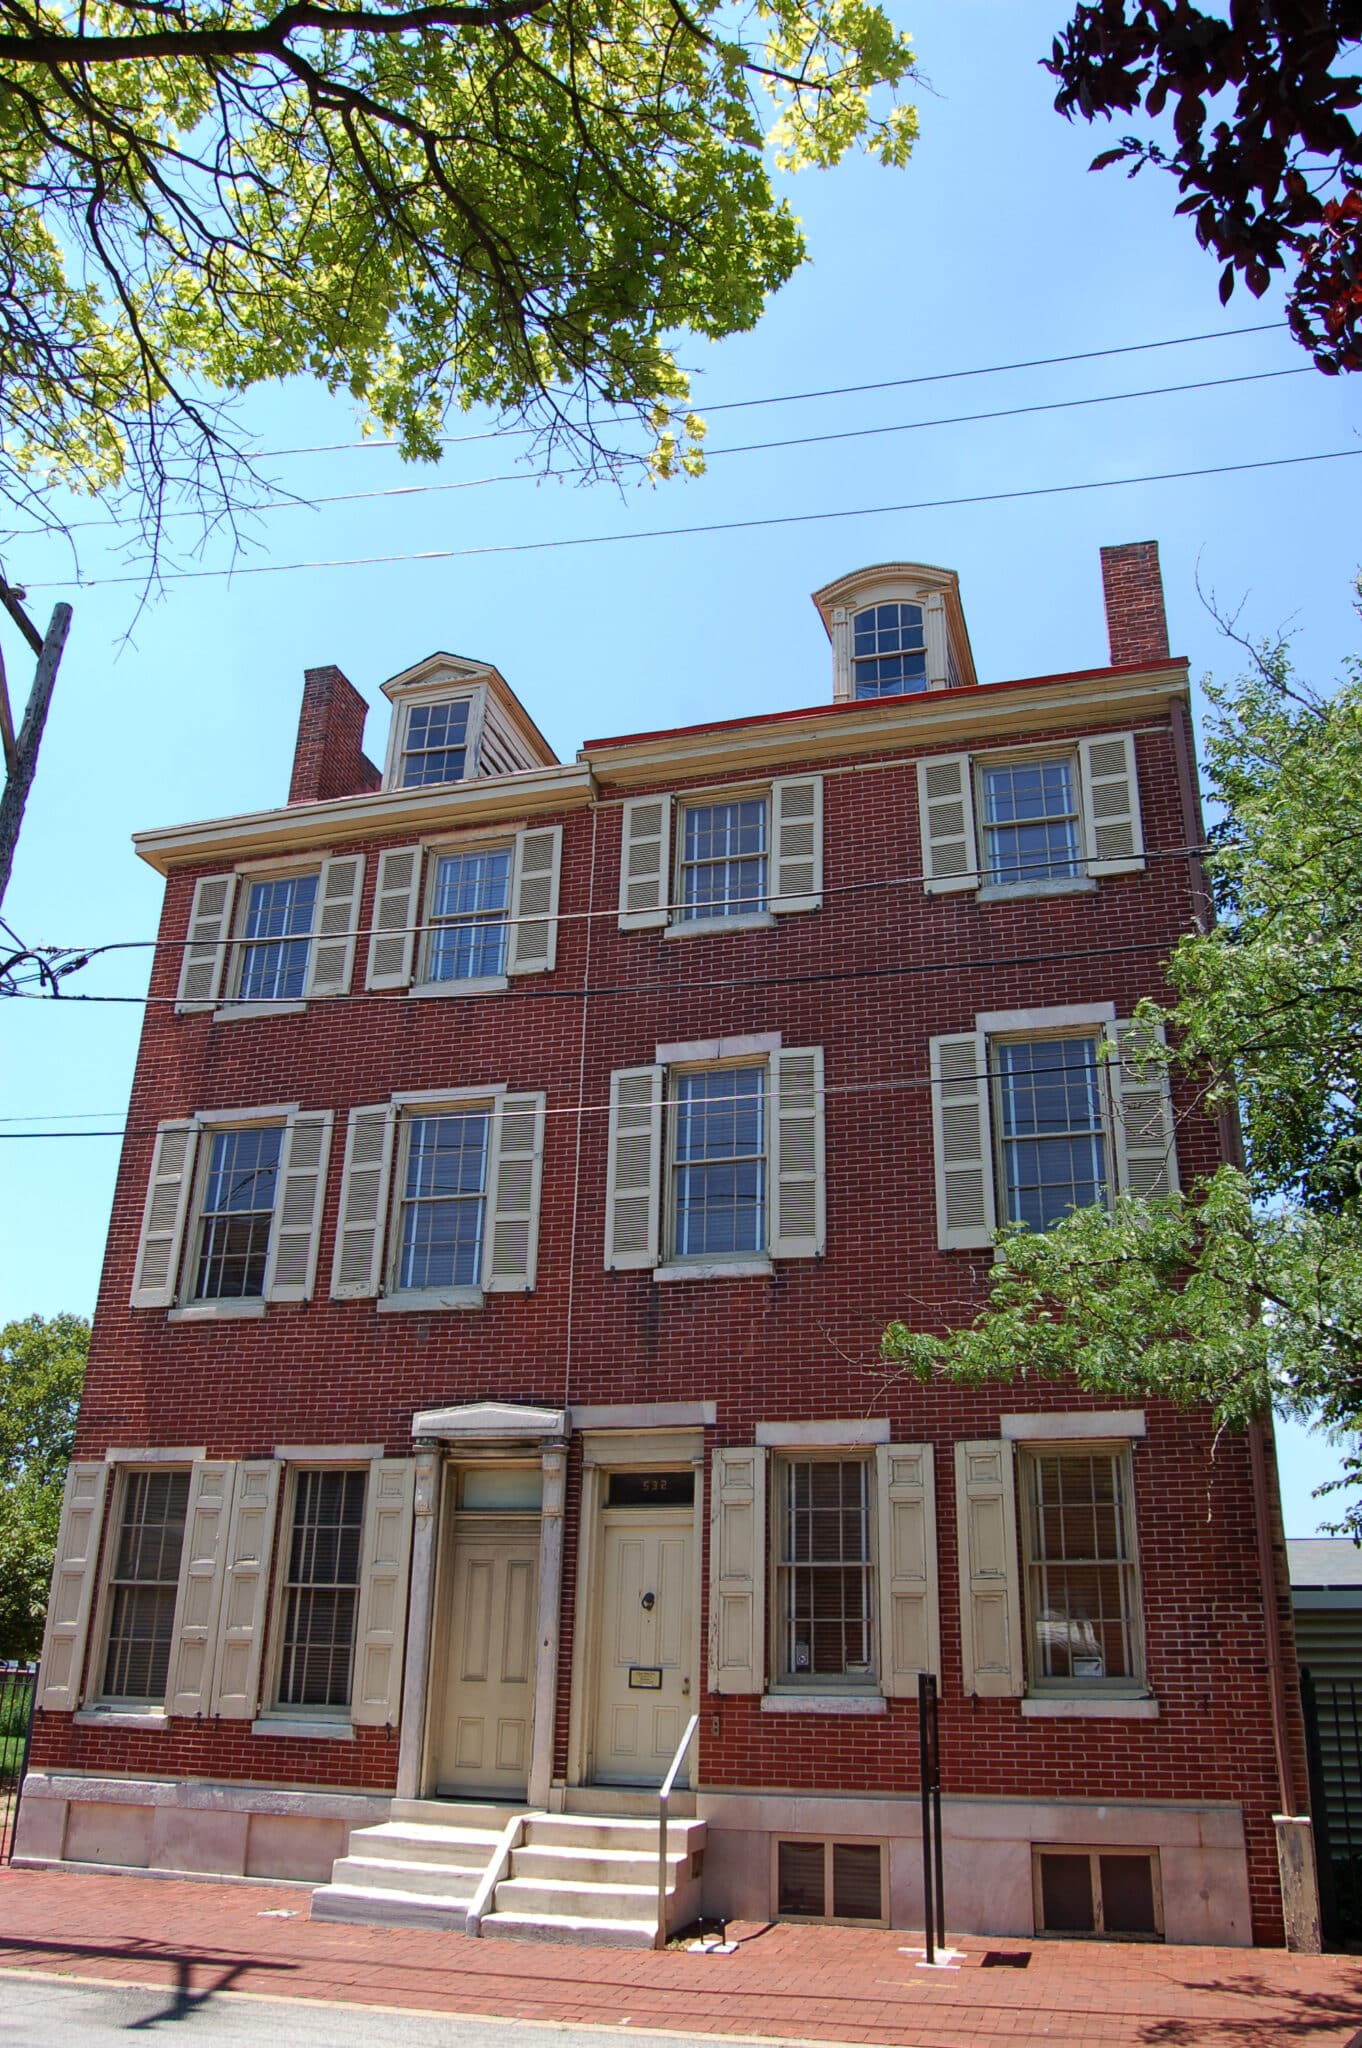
<point>533,942</point>
<point>1113,837</point>
<point>910,1630</point>
<point>376,1696</point>
<point>292,1266</point>
<point>1142,1115</point>
<point>392,941</point>
<point>962,1129</point>
<point>797,843</point>
<point>356,1268</point>
<point>210,923</point>
<point>158,1248</point>
<point>990,1584</point>
<point>246,1583</point>
<point>645,863</point>
<point>333,941</point>
<point>73,1585</point>
<point>737,1572</point>
<point>512,1235</point>
<point>633,1175</point>
<point>798,1228</point>
<point>945,796</point>
<point>194,1631</point>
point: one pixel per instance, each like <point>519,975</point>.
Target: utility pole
<point>21,754</point>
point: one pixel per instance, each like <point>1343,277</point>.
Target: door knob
<point>648,1602</point>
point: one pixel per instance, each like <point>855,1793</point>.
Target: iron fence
<point>18,1687</point>
<point>1333,1741</point>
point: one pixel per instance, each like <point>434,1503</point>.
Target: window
<point>1052,1138</point>
<point>1035,822</point>
<point>889,650</point>
<point>1029,814</point>
<point>755,854</point>
<point>1098,1891</point>
<point>435,744</point>
<point>824,1598</point>
<point>718,1122</point>
<point>444,1186</point>
<point>144,1584</point>
<point>830,1880</point>
<point>257,938</point>
<point>470,901</point>
<point>236,1214</point>
<point>321,1589</point>
<point>276,939</point>
<point>723,859</point>
<point>1082,1595</point>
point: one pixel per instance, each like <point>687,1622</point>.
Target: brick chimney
<point>329,759</point>
<point>1137,628</point>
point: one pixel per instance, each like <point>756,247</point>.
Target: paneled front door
<point>482,1741</point>
<point>644,1697</point>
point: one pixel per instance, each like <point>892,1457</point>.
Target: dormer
<point>458,721</point>
<point>896,629</point>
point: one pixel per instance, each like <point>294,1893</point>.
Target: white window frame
<point>1135,1685</point>
<point>757,1260</point>
<point>859,1684</point>
<point>275,1708</point>
<point>993,891</point>
<point>232,1004</point>
<point>1092,1035</point>
<point>679,924</point>
<point>953,832</point>
<point>98,1702</point>
<point>827,1844</point>
<point>918,602</point>
<point>651,864</point>
<point>423,983</point>
<point>474,695</point>
<point>410,1109</point>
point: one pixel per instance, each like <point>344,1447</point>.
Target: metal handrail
<point>660,1938</point>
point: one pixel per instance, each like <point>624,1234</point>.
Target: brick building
<point>523,1161</point>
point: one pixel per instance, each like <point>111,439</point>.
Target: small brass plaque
<point>645,1678</point>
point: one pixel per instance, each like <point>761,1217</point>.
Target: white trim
<point>796,1436</point>
<point>645,1415</point>
<point>692,1050</point>
<point>268,1113</point>
<point>154,1720</point>
<point>824,1703</point>
<point>1059,885</point>
<point>157,1457</point>
<point>1045,1708</point>
<point>416,1299</point>
<point>1067,1428</point>
<point>472,985</point>
<point>713,927</point>
<point>218,1311</point>
<point>327,1454</point>
<point>313,1731</point>
<point>426,1097</point>
<point>240,1013</point>
<point>718,1269</point>
<point>1061,1017</point>
<point>489,1421</point>
<point>467,838</point>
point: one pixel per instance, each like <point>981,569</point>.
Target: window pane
<point>275,948</point>
<point>144,1584</point>
<point>1081,1586</point>
<point>436,749</point>
<point>799,1879</point>
<point>322,1590</point>
<point>442,1206</point>
<point>889,654</point>
<point>856,1880</point>
<point>1031,821</point>
<point>719,1162</point>
<point>468,916</point>
<point>1054,1148</point>
<point>723,859</point>
<point>1128,1895</point>
<point>1066,1895</point>
<point>823,1574</point>
<point>238,1209</point>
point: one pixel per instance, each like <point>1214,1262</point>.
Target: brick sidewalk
<point>808,1983</point>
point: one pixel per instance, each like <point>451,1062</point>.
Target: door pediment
<point>489,1422</point>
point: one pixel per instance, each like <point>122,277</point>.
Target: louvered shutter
<point>645,862</point>
<point>73,1585</point>
<point>194,1632</point>
<point>510,1254</point>
<point>737,1572</point>
<point>990,1588</point>
<point>965,1211</point>
<point>533,944</point>
<point>206,951</point>
<point>297,1226</point>
<point>945,795</point>
<point>797,843</point>
<point>632,1188</point>
<point>392,941</point>
<point>333,942</point>
<point>158,1248</point>
<point>910,1633</point>
<point>1113,838</point>
<point>246,1581</point>
<point>1142,1105</point>
<point>382,1625</point>
<point>798,1200</point>
<point>357,1265</point>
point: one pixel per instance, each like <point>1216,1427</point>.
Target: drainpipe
<point>1295,1836</point>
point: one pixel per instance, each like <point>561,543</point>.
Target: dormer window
<point>889,650</point>
<point>435,747</point>
<point>457,721</point>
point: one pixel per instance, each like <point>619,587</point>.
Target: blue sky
<point>995,246</point>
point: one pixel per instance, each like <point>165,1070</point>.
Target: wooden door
<point>645,1666</point>
<point>485,1720</point>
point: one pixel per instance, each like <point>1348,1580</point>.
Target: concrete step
<point>451,1881</point>
<point>359,1905</point>
<point>485,1814</point>
<point>598,1866</point>
<point>570,1898</point>
<point>628,1801</point>
<point>585,1932</point>
<point>413,1842</point>
<point>610,1831</point>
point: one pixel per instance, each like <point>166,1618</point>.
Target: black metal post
<point>936,1814</point>
<point>926,1716</point>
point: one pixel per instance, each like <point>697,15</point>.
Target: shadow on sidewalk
<point>185,1996</point>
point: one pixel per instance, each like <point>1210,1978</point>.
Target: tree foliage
<point>1264,150</point>
<point>513,203</point>
<point>1247,1290</point>
<point>43,1362</point>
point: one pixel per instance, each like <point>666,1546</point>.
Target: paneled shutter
<point>194,1632</point>
<point>798,1197</point>
<point>962,1127</point>
<point>633,1176</point>
<point>357,1265</point>
<point>392,941</point>
<point>510,1256</point>
<point>533,946</point>
<point>1113,838</point>
<point>333,942</point>
<point>210,921</point>
<point>241,1623</point>
<point>1146,1137</point>
<point>797,843</point>
<point>168,1190</point>
<point>910,1632</point>
<point>737,1572</point>
<point>382,1626</point>
<point>645,862</point>
<point>73,1585</point>
<point>990,1587</point>
<point>945,797</point>
<point>298,1208</point>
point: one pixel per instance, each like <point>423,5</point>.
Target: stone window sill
<point>1092,1708</point>
<point>715,1269</point>
<point>471,985</point>
<point>824,1703</point>
<point>217,1312</point>
<point>714,927</point>
<point>1007,892</point>
<point>305,1731</point>
<point>240,1013</point>
<point>122,1717</point>
<point>424,1301</point>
